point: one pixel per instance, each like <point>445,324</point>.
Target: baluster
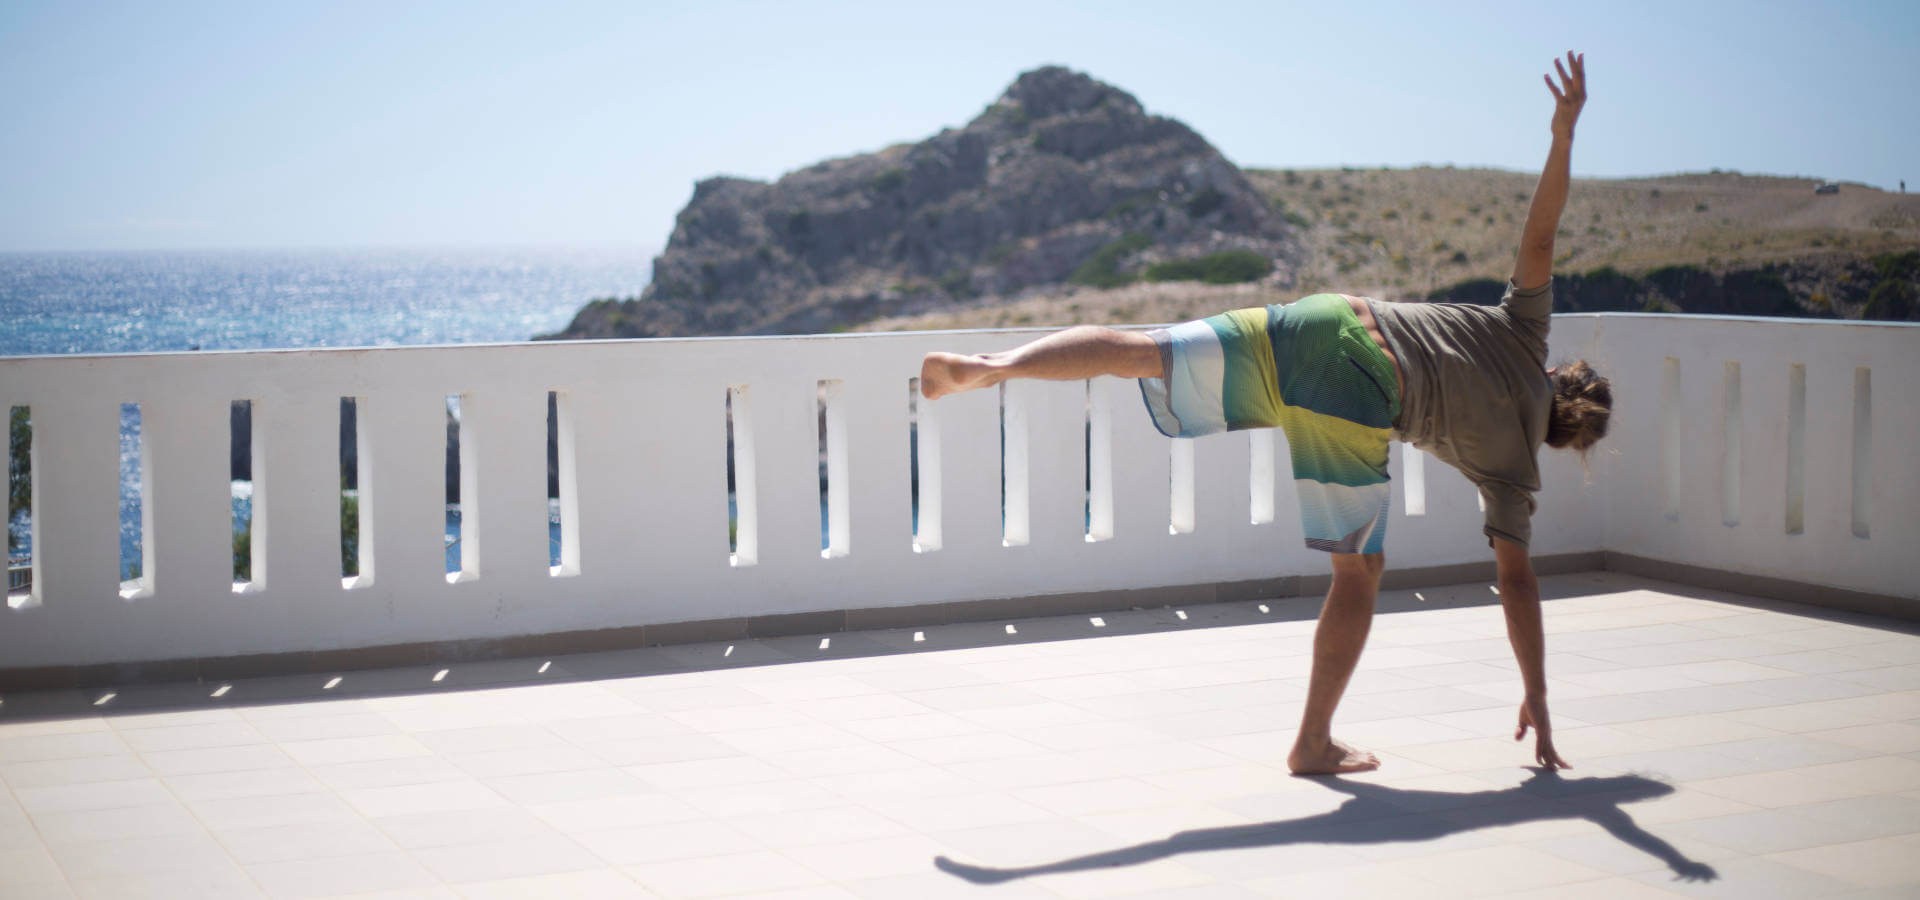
<point>880,493</point>
<point>1057,469</point>
<point>76,457</point>
<point>504,436</point>
<point>191,503</point>
<point>296,496</point>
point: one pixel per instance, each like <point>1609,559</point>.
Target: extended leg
<point>1083,351</point>
<point>1345,620</point>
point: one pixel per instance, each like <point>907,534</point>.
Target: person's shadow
<point>1377,814</point>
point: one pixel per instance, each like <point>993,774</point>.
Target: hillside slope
<point>1626,243</point>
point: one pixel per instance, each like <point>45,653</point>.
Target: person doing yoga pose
<point>1344,376</point>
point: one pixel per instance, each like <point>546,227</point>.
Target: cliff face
<point>1059,171</point>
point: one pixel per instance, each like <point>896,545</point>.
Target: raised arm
<point>1534,266</point>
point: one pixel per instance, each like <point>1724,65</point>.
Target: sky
<point>235,125</point>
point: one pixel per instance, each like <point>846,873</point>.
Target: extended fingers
<point>1572,86</point>
<point>1576,82</point>
<point>1569,85</point>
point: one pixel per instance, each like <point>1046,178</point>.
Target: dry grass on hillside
<point>1399,233</point>
<point>1133,304</point>
<point>1408,232</point>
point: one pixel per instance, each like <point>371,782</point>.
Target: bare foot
<point>1330,758</point>
<point>950,373</point>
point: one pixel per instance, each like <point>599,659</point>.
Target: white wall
<point>1692,526</point>
<point>649,514</point>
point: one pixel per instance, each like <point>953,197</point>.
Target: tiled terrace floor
<point>1724,747</point>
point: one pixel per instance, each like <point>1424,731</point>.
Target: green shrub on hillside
<point>1205,201</point>
<point>1225,267</point>
<point>1102,269</point>
<point>1292,218</point>
<point>1893,296</point>
<point>1890,300</point>
<point>958,283</point>
<point>1898,265</point>
<point>1132,204</point>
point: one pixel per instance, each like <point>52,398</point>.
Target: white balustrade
<point>643,465</point>
<point>1735,452</point>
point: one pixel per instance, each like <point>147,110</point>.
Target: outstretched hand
<point>1536,718</point>
<point>1569,95</point>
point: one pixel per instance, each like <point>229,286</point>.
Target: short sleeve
<point>1509,512</point>
<point>1532,303</point>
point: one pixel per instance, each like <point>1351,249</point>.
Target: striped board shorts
<point>1307,367</point>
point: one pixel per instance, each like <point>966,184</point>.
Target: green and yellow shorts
<point>1309,368</point>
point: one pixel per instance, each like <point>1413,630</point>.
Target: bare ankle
<point>950,373</point>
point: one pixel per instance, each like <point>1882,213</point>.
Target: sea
<point>140,302</point>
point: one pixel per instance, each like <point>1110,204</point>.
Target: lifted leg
<point>1077,353</point>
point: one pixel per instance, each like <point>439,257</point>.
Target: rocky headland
<point>1063,179</point>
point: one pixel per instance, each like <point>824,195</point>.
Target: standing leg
<point>1083,351</point>
<point>1345,619</point>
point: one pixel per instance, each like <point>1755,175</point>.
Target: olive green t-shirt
<point>1477,393</point>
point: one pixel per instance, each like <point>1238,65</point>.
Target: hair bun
<point>1582,406</point>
